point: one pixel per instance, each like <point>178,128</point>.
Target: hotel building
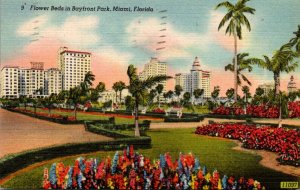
<point>73,65</point>
<point>196,79</point>
<point>154,68</point>
<point>9,82</point>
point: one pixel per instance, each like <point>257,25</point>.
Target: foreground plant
<point>130,170</point>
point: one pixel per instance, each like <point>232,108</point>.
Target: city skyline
<point>131,38</point>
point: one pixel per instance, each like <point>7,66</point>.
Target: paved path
<point>19,132</point>
<point>171,125</point>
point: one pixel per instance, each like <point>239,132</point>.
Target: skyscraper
<point>73,65</point>
<point>154,68</point>
<point>196,79</point>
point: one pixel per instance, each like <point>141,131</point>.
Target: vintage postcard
<point>150,94</point>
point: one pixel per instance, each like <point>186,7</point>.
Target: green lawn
<point>213,152</point>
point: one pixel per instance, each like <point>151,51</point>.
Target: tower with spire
<point>196,79</point>
<point>292,86</point>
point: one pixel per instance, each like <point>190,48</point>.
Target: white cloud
<point>74,31</point>
<point>147,33</point>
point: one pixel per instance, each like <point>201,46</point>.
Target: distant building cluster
<point>196,79</point>
<point>37,82</point>
<point>154,68</point>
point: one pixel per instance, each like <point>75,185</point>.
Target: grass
<point>214,153</point>
<point>88,116</point>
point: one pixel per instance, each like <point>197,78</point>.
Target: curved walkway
<point>269,160</point>
<point>19,133</point>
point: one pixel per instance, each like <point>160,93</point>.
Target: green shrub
<point>184,119</point>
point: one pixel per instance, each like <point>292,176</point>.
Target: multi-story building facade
<point>37,82</point>
<point>53,81</point>
<point>196,79</point>
<point>154,68</point>
<point>267,87</point>
<point>73,65</point>
<point>9,82</point>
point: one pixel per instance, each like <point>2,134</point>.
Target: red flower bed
<point>130,170</point>
<point>263,111</point>
<point>158,110</point>
<point>222,110</point>
<point>283,141</point>
<point>294,109</point>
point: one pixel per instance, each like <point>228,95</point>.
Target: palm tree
<point>243,64</point>
<point>230,94</point>
<point>215,93</point>
<point>115,87</point>
<point>121,86</point>
<point>296,40</point>
<point>138,87</point>
<point>281,61</point>
<point>159,88</point>
<point>75,97</point>
<point>170,94</point>
<point>88,80</point>
<point>49,102</point>
<point>236,18</point>
<point>246,92</point>
<point>186,98</point>
<point>178,90</point>
<point>198,93</point>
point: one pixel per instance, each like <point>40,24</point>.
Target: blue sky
<point>121,38</point>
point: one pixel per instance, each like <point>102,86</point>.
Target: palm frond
<point>246,80</point>
<point>225,4</point>
<point>153,80</point>
<point>229,67</point>
<point>225,19</point>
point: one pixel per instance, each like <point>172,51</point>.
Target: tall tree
<point>236,19</point>
<point>215,93</point>
<point>296,40</point>
<point>178,89</point>
<point>137,89</point>
<point>170,94</point>
<point>75,97</point>
<point>115,87</point>
<point>283,60</point>
<point>49,102</point>
<point>243,64</point>
<point>246,92</point>
<point>122,86</point>
<point>159,88</point>
<point>230,94</point>
<point>88,80</point>
<point>198,93</point>
<point>186,98</point>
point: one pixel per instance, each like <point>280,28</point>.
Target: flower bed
<point>294,109</point>
<point>158,110</point>
<point>283,141</point>
<point>261,111</point>
<point>129,170</point>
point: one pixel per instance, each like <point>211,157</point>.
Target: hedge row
<point>237,117</point>
<point>15,162</point>
<point>184,119</point>
<point>55,120</point>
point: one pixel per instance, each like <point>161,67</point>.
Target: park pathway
<point>19,133</point>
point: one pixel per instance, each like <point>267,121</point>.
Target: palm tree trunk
<point>277,83</point>
<point>158,100</point>
<point>120,96</point>
<point>280,112</point>
<point>136,118</point>
<point>235,68</point>
<point>75,112</point>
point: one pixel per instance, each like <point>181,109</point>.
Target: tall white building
<point>196,79</point>
<point>9,82</point>
<point>267,87</point>
<point>154,68</point>
<point>53,81</point>
<point>73,65</point>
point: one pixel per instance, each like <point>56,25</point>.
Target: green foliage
<point>184,119</point>
<point>215,93</point>
<point>129,103</point>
